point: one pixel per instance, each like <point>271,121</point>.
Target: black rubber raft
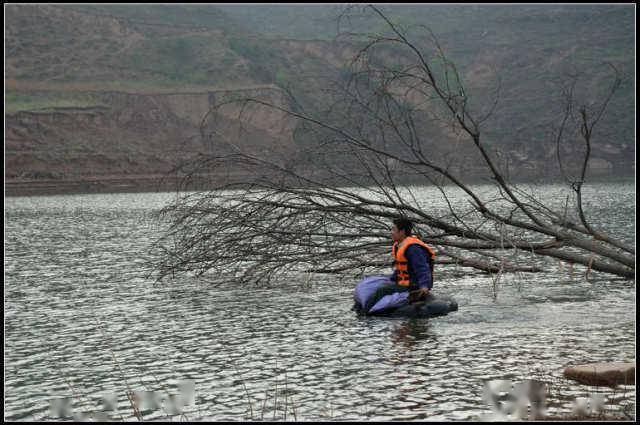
<point>434,305</point>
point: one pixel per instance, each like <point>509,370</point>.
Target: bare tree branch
<point>325,204</point>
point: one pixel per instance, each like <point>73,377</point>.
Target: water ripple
<point>76,295</point>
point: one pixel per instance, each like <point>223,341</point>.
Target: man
<point>413,263</point>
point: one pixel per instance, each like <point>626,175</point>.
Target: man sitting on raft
<point>413,263</point>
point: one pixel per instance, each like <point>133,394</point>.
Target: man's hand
<point>418,295</point>
<point>424,292</point>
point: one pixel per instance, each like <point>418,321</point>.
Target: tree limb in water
<point>325,205</point>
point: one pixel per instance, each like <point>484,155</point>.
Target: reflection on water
<point>77,296</point>
<point>411,331</point>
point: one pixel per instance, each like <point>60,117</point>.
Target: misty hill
<point>64,61</point>
<point>531,48</point>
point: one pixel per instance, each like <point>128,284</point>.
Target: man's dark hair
<point>404,224</point>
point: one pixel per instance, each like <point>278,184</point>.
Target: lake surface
<point>75,261</point>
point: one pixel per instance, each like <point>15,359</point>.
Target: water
<point>73,262</point>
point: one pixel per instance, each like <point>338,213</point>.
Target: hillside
<point>54,45</point>
<point>96,95</point>
<point>72,72</point>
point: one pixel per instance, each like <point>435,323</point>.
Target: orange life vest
<point>400,260</point>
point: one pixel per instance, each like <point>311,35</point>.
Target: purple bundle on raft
<point>397,304</point>
<point>366,289</point>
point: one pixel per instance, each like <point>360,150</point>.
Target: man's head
<point>401,229</point>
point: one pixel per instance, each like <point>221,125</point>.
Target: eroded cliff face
<point>133,133</point>
<point>135,139</point>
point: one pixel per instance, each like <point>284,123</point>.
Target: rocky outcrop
<point>603,374</point>
<point>131,133</point>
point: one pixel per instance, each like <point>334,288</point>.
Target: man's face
<point>397,235</point>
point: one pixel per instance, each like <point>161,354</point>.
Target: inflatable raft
<point>397,304</point>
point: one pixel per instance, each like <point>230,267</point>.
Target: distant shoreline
<point>107,184</point>
<point>165,183</point>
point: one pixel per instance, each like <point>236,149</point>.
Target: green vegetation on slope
<point>31,101</point>
<point>189,16</point>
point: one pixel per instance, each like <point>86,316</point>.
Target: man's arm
<point>420,266</point>
<point>394,276</point>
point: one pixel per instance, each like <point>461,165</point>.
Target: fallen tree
<point>359,162</point>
